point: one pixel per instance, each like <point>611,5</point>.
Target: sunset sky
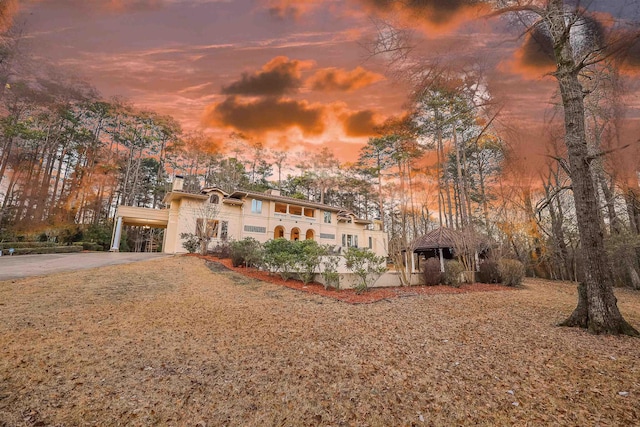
<point>294,74</point>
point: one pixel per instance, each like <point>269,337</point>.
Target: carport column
<point>441,261</point>
<point>115,239</point>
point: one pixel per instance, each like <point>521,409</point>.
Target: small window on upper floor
<point>215,199</point>
<point>327,217</point>
<point>256,206</point>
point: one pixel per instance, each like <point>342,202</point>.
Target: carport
<point>134,216</point>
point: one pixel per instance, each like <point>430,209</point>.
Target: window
<point>212,228</point>
<point>309,213</point>
<point>327,217</point>
<point>350,240</point>
<point>256,206</point>
<point>281,208</point>
<point>224,230</point>
<point>370,242</point>
<point>295,210</point>
<point>215,199</point>
<point>327,236</point>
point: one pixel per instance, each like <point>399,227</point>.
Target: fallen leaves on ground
<point>169,342</point>
<point>350,295</point>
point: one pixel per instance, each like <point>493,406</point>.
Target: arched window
<point>278,233</point>
<point>295,234</point>
<point>309,235</point>
<point>214,199</point>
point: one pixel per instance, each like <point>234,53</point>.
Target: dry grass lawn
<point>170,342</point>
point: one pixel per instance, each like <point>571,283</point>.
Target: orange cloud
<point>360,123</point>
<point>264,115</point>
<point>291,8</point>
<point>334,79</point>
<point>534,57</point>
<point>8,8</point>
<point>113,5</point>
<point>277,77</point>
<point>431,15</point>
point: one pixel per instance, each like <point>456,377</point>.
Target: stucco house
<point>241,214</point>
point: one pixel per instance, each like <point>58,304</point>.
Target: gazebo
<point>444,243</point>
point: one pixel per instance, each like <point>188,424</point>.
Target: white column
<point>115,240</point>
<point>441,261</point>
<point>413,262</point>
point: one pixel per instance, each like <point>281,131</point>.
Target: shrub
<point>366,265</point>
<point>190,242</point>
<point>90,246</point>
<point>330,271</point>
<point>70,234</point>
<point>279,257</point>
<point>511,271</point>
<point>309,254</point>
<point>16,245</point>
<point>489,272</point>
<point>432,273</point>
<point>452,275</point>
<point>222,249</point>
<point>99,234</point>
<point>48,250</point>
<point>247,251</point>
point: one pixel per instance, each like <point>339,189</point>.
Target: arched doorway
<point>295,234</point>
<point>278,233</point>
<point>309,235</point>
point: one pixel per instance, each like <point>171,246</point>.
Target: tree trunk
<point>602,314</point>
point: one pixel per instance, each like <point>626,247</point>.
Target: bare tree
<point>577,43</point>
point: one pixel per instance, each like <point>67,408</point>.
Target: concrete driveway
<point>18,266</point>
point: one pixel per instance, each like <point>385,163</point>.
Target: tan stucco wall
<point>184,212</point>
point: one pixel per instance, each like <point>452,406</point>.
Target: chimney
<point>273,192</point>
<point>178,182</point>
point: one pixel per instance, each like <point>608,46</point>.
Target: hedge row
<point>90,246</point>
<point>17,245</point>
<point>46,250</point>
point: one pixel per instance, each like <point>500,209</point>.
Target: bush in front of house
<point>222,250</point>
<point>452,275</point>
<point>511,272</point>
<point>309,255</point>
<point>247,252</point>
<point>279,257</point>
<point>432,273</point>
<point>489,272</point>
<point>190,242</point>
<point>289,258</point>
<point>366,265</point>
<point>329,264</point>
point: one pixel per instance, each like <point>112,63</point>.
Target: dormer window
<point>215,199</point>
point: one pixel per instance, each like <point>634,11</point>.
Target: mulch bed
<point>349,295</point>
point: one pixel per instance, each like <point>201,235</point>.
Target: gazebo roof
<point>438,238</point>
<point>444,237</point>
